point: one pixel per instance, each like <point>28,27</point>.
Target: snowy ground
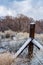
<point>13,44</point>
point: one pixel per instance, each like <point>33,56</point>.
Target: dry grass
<point>6,59</point>
<point>39,36</point>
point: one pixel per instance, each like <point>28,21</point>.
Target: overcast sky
<point>31,8</point>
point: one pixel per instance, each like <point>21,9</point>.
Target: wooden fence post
<point>32,32</point>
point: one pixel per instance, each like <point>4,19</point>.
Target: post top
<point>32,23</point>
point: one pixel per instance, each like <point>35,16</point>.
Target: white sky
<point>30,8</point>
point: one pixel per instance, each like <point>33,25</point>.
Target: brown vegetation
<point>6,59</point>
<point>20,23</point>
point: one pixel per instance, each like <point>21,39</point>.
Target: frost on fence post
<point>32,32</point>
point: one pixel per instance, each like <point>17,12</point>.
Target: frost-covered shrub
<point>7,35</point>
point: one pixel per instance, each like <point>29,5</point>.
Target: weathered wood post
<point>32,32</point>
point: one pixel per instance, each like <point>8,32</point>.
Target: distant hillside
<point>20,23</point>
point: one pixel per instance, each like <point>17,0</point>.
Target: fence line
<point>30,43</point>
<point>37,44</point>
<point>22,48</point>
